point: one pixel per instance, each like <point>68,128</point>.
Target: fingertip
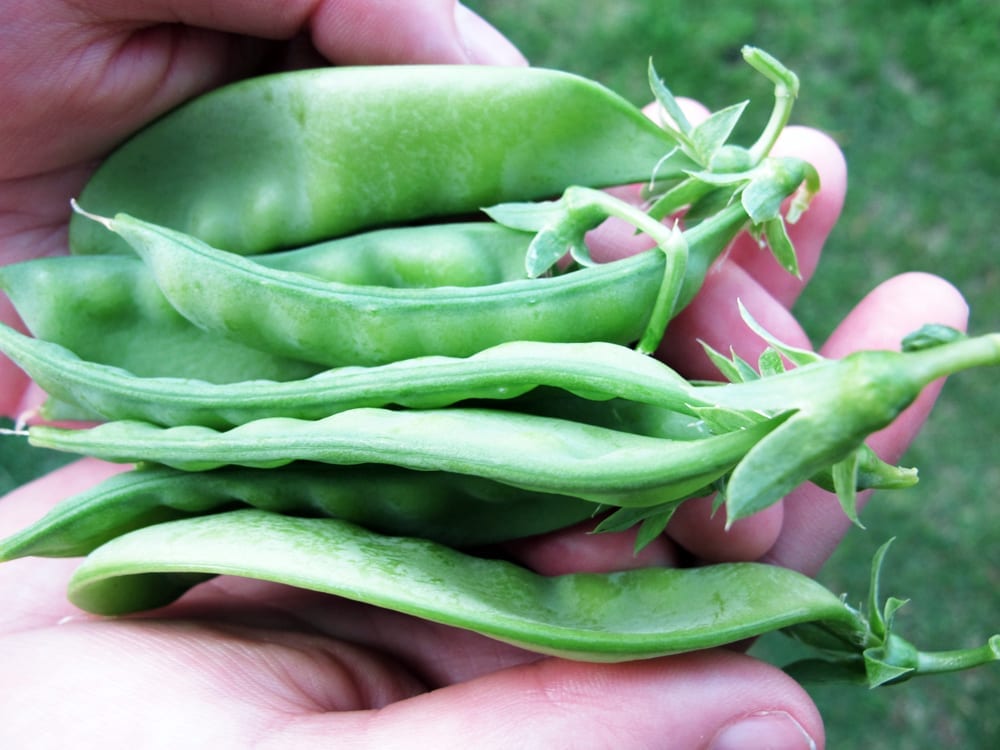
<point>896,307</point>
<point>701,531</point>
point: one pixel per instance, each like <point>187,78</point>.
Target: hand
<point>241,662</point>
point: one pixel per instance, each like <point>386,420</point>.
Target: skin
<point>245,663</point>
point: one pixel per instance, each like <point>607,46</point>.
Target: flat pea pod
<point>620,616</point>
<point>293,315</point>
<point>289,159</point>
<point>108,309</point>
<point>595,370</point>
<point>535,453</point>
<point>451,509</point>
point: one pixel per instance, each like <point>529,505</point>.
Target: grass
<point>908,90</point>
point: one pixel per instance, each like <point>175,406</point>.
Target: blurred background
<point>910,91</point>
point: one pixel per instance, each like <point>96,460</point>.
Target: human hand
<point>245,662</point>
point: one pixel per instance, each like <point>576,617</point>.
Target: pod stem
<point>786,89</point>
<point>936,662</point>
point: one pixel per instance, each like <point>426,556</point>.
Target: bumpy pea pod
<point>288,159</point>
<point>293,315</point>
<point>595,370</point>
<point>108,309</point>
<point>471,253</point>
<point>451,509</point>
<point>535,453</point>
<point>620,616</point>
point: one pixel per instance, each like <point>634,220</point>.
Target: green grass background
<point>909,90</point>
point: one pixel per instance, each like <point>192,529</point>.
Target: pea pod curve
<point>293,315</point>
<point>535,453</point>
<point>293,158</point>
<point>447,508</point>
<point>626,615</point>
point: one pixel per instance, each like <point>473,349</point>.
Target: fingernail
<point>768,730</point>
<point>483,44</point>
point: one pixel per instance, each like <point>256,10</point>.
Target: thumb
<point>712,700</point>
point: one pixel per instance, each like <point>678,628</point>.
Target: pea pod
<point>451,509</point>
<point>293,315</point>
<point>633,614</point>
<point>596,370</point>
<point>108,309</point>
<point>289,159</point>
<point>535,453</point>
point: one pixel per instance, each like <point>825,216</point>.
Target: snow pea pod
<point>108,309</point>
<point>522,450</point>
<point>290,314</point>
<point>620,616</point>
<point>595,370</point>
<point>451,509</point>
<point>288,159</point>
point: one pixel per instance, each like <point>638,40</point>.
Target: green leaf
<point>880,672</point>
<point>794,354</point>
<point>845,484</point>
<point>683,194</point>
<point>770,363</point>
<point>711,134</point>
<point>666,99</point>
<point>781,245</point>
<point>721,419</point>
<point>725,366</point>
<point>878,623</point>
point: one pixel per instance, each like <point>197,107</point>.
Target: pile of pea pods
<point>351,333</point>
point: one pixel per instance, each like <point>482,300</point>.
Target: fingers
<point>346,32</point>
<point>711,699</point>
<point>750,274</point>
<point>814,522</point>
<point>34,589</point>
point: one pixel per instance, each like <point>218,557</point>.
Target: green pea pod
<point>293,315</point>
<point>288,159</point>
<point>836,404</point>
<point>451,509</point>
<point>535,453</point>
<point>595,370</point>
<point>109,310</point>
<point>620,616</point>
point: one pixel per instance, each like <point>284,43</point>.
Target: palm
<point>244,662</point>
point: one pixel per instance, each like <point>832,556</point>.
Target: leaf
<point>879,672</point>
<point>845,484</point>
<point>721,419</point>
<point>794,354</point>
<point>726,367</point>
<point>712,133</point>
<point>878,624</point>
<point>683,194</point>
<point>666,99</point>
<point>770,363</point>
<point>930,336</point>
<point>527,216</point>
<point>781,245</point>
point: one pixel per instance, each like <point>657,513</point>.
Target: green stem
<point>786,89</point>
<point>935,662</point>
<point>936,362</point>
